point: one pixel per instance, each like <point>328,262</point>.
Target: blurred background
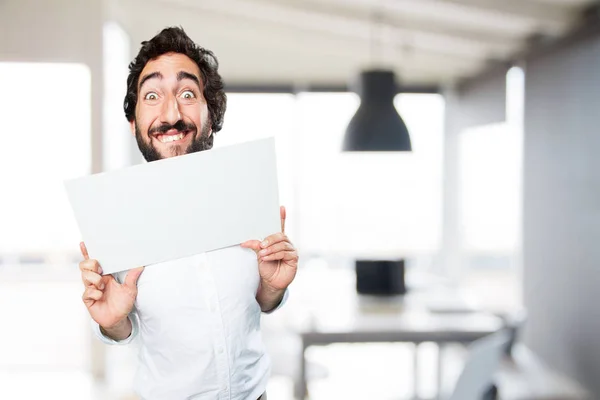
<point>488,224</point>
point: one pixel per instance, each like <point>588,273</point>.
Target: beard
<point>200,141</point>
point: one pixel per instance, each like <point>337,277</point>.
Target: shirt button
<point>220,350</point>
<point>213,306</point>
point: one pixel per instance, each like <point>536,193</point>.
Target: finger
<point>84,251</point>
<point>282,213</point>
<point>92,279</point>
<point>282,255</point>
<point>91,295</point>
<point>251,244</point>
<point>275,238</point>
<point>90,265</point>
<point>277,247</point>
<point>132,276</point>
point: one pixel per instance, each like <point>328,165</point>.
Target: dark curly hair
<point>175,40</point>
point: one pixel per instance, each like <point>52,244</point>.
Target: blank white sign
<point>178,207</point>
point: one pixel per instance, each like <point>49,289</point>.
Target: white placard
<point>178,207</point>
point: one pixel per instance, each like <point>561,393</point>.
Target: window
<point>490,171</point>
<point>252,116</point>
<point>327,191</point>
<point>368,204</point>
<point>490,179</point>
<point>46,139</point>
<point>119,148</point>
<point>490,197</point>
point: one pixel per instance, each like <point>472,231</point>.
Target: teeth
<point>170,138</point>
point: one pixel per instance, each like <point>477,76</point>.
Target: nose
<point>170,111</point>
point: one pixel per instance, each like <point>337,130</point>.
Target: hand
<point>277,258</point>
<point>108,302</point>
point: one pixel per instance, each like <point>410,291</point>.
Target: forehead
<point>170,64</point>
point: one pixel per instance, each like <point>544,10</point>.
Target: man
<point>198,318</point>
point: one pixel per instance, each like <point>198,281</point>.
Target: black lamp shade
<point>376,126</point>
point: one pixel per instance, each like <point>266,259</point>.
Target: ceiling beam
<point>509,18</point>
<point>288,49</point>
<point>387,16</point>
<point>552,18</point>
<point>331,24</point>
<point>332,88</point>
<point>286,56</point>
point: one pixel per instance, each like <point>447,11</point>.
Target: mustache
<point>179,126</point>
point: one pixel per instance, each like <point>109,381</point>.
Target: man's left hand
<point>277,259</point>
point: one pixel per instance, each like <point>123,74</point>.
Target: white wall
<point>562,209</point>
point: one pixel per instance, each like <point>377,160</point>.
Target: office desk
<point>364,319</point>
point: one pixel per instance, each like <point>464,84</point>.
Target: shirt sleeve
<point>105,339</point>
<point>281,303</point>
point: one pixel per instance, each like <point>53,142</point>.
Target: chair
<point>476,379</point>
<point>514,323</point>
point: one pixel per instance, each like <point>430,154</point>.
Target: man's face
<point>171,116</point>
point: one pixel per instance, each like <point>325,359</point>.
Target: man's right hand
<point>108,302</point>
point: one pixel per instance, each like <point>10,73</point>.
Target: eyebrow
<point>150,76</point>
<point>181,75</point>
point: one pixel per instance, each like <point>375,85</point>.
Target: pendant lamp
<point>377,126</point>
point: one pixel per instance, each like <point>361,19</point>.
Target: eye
<point>188,94</point>
<point>151,96</point>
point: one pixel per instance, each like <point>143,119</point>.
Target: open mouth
<point>172,136</point>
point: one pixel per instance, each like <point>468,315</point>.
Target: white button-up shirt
<point>198,322</point>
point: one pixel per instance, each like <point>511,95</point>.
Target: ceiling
<point>326,42</point>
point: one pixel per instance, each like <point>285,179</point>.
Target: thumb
<point>251,244</point>
<point>132,277</point>
<point>106,279</point>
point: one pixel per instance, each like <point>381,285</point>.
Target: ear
<point>132,127</point>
